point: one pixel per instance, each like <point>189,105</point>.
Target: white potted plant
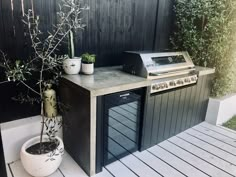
<point>72,64</point>
<point>88,61</point>
<point>42,155</point>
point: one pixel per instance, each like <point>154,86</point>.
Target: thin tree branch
<point>30,88</point>
<point>55,47</point>
<point>4,82</point>
<point>58,29</point>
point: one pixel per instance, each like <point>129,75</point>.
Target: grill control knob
<point>166,85</point>
<point>156,87</point>
<point>180,82</point>
<point>162,86</point>
<point>193,78</point>
<point>187,80</point>
<point>172,83</point>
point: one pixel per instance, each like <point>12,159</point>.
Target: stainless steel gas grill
<point>166,70</point>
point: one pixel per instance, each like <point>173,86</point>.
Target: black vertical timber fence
<point>112,26</point>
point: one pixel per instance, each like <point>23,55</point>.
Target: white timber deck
<point>201,151</point>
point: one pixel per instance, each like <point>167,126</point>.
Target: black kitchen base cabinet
<point>133,116</point>
<point>169,113</point>
<point>76,123</point>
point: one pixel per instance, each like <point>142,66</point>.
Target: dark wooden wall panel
<point>196,110</point>
<point>169,119</point>
<point>164,22</point>
<point>8,27</point>
<point>178,94</point>
<point>76,126</point>
<point>155,122</point>
<point>18,30</point>
<point>162,121</point>
<point>2,36</point>
<point>186,108</point>
<point>148,124</point>
<point>113,26</point>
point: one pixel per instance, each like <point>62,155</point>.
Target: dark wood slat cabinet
<point>169,113</point>
<point>76,126</point>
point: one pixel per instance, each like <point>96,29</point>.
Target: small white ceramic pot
<point>88,68</point>
<point>72,66</point>
<point>43,164</point>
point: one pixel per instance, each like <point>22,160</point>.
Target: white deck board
<point>177,163</point>
<point>219,130</point>
<point>119,170</point>
<point>193,160</point>
<point>18,170</point>
<point>215,135</point>
<point>139,167</point>
<point>204,150</point>
<point>162,167</point>
<point>8,171</point>
<point>104,173</point>
<point>209,148</point>
<point>220,163</point>
<point>212,141</point>
<point>70,168</point>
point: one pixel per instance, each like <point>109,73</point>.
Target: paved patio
<point>201,151</point>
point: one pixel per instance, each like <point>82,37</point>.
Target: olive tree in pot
<point>42,155</point>
<point>72,64</point>
<point>88,61</point>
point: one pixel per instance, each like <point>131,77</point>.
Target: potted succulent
<point>72,64</point>
<point>88,61</point>
<point>42,155</point>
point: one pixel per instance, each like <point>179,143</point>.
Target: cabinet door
<point>156,119</point>
<point>162,119</point>
<point>178,101</point>
<point>147,122</point>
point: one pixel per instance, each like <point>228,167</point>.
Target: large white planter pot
<point>72,66</point>
<point>41,165</point>
<point>88,68</point>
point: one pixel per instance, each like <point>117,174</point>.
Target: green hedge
<point>207,30</point>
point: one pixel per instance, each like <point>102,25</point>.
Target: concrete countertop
<point>108,80</point>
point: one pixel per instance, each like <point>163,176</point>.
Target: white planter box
<point>220,110</point>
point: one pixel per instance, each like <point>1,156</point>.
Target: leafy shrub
<point>207,30</point>
<point>88,58</point>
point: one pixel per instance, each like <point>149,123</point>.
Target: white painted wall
<point>220,110</point>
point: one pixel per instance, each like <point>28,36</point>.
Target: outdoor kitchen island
<point>84,95</point>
